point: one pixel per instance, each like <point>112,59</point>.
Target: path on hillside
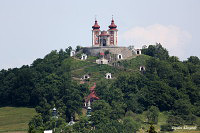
<point>84,67</point>
<point>79,69</point>
<point>122,67</point>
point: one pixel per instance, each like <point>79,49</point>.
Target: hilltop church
<point>104,38</point>
<point>106,41</point>
<point>105,46</point>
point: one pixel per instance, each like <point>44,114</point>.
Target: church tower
<point>113,33</point>
<point>95,34</point>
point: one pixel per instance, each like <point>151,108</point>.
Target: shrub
<point>166,127</point>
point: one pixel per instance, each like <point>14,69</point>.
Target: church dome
<point>96,26</point>
<point>112,25</point>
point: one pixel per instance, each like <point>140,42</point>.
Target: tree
<point>36,124</point>
<point>100,112</point>
<point>83,125</point>
<point>72,100</point>
<point>194,59</point>
<point>151,129</point>
<point>173,59</point>
<point>152,115</point>
<point>118,110</point>
<point>129,125</point>
<point>130,114</point>
<point>55,123</point>
<point>156,51</point>
<point>78,48</point>
<point>175,120</point>
<point>176,79</point>
<point>44,109</point>
<point>151,69</point>
<point>196,78</point>
<point>190,119</point>
<point>182,107</point>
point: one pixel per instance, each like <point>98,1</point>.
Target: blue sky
<point>30,29</point>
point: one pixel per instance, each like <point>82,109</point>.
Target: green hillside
<point>13,119</point>
<point>97,72</point>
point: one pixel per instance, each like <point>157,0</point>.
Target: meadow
<point>15,119</point>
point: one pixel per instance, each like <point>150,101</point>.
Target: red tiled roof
<point>96,26</point>
<point>93,87</point>
<point>92,95</point>
<point>101,53</point>
<point>113,26</point>
<point>104,33</point>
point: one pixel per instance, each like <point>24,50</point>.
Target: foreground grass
<point>15,119</point>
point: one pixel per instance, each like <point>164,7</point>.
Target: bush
<point>175,120</point>
<point>130,113</point>
<point>166,127</point>
<point>130,125</point>
<point>78,48</point>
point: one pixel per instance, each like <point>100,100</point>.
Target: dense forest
<point>168,85</point>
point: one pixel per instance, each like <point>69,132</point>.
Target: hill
<point>165,85</point>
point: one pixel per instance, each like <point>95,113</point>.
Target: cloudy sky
<point>30,29</point>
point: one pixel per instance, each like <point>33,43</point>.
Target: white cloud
<point>171,37</point>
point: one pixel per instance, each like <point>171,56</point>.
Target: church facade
<point>104,38</point>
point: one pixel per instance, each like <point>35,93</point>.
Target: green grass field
<point>15,119</point>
